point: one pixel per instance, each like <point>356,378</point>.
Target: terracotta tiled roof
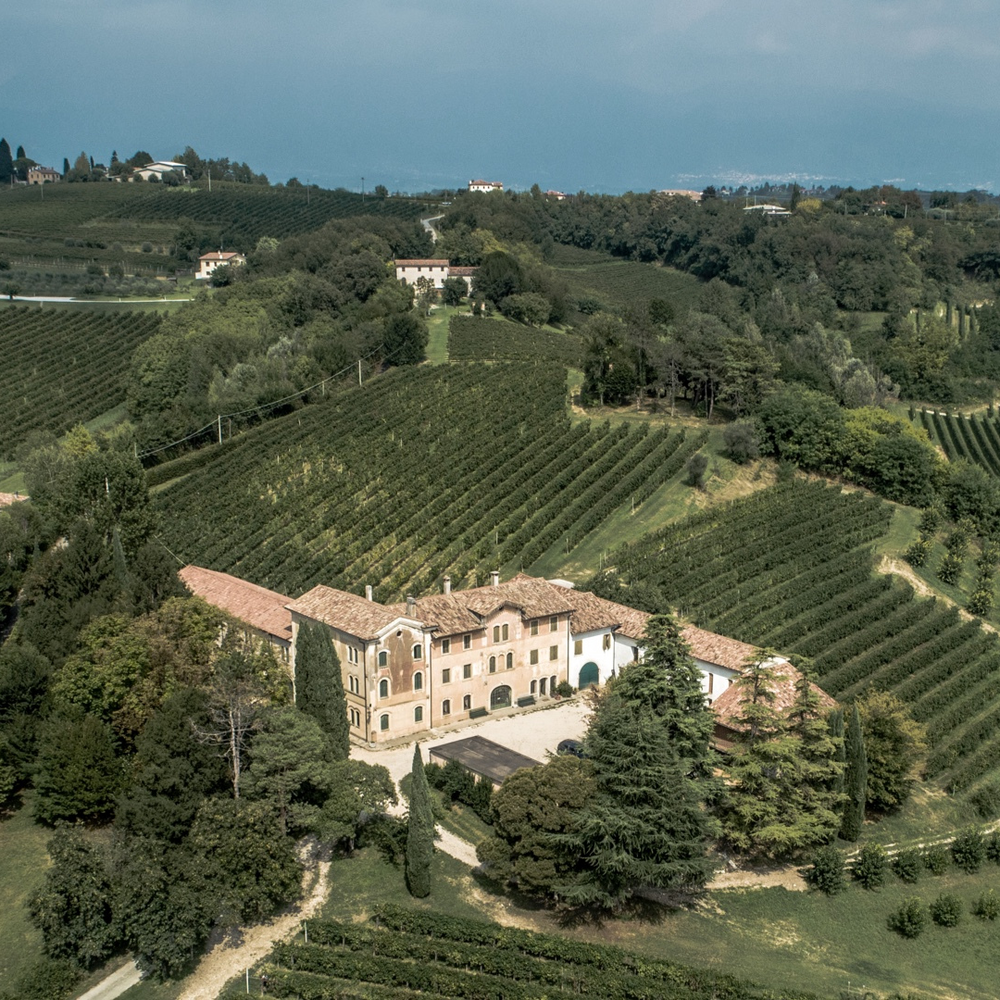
<point>592,613</point>
<point>260,608</point>
<point>220,255</point>
<point>421,262</point>
<point>448,614</point>
<point>728,705</point>
<point>462,272</point>
<point>350,613</point>
<point>718,649</point>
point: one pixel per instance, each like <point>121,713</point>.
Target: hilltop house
<point>43,175</point>
<point>208,262</point>
<point>485,186</point>
<point>158,168</point>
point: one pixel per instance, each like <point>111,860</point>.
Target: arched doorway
<point>589,674</point>
<point>500,697</point>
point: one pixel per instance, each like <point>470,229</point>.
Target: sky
<point>569,94</point>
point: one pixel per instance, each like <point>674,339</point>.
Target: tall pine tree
<point>6,162</point>
<point>319,686</point>
<point>419,831</point>
<point>855,779</point>
<point>648,742</point>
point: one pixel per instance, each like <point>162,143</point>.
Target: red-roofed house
<point>263,610</point>
<point>208,262</point>
<point>485,186</point>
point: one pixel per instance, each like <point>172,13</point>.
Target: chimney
<point>447,584</point>
<point>368,591</point>
<point>495,578</point>
<point>411,606</point>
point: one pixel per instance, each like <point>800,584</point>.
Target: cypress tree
<point>419,831</point>
<point>21,155</point>
<point>835,721</point>
<point>319,686</point>
<point>65,166</point>
<point>855,779</point>
<point>6,162</point>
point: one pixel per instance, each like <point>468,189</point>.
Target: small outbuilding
<point>483,758</point>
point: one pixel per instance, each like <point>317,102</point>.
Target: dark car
<point>575,747</point>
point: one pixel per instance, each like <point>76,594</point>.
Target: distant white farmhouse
<point>485,186</point>
<point>158,168</point>
<point>208,262</point>
<point>678,193</point>
<point>434,269</point>
<point>768,209</point>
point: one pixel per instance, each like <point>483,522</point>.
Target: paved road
<point>64,298</point>
<point>116,984</point>
<point>426,223</point>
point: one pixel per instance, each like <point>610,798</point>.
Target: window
<point>446,675</point>
<point>606,641</point>
<point>466,671</point>
<point>418,681</point>
<point>493,664</point>
<point>533,657</point>
<point>554,623</point>
<point>355,718</point>
<point>383,659</point>
<point>496,633</point>
<point>533,627</point>
<point>383,688</point>
<point>505,632</point>
<point>467,703</point>
<point>466,642</point>
<point>446,645</point>
<point>711,683</point>
<point>352,655</point>
<point>552,684</point>
<point>510,661</point>
<point>553,652</point>
<point>352,684</point>
<point>418,652</point>
<point>383,723</point>
<point>578,647</point>
<point>446,707</point>
<point>418,713</point>
<point>542,685</point>
<point>534,686</point>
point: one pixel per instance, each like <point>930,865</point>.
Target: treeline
<point>298,312</point>
<point>135,710</point>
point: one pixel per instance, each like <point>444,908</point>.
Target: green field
<point>472,338</point>
<point>614,282</point>
<point>23,860</point>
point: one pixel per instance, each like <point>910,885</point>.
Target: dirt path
<point>227,960</point>
<point>922,588</point>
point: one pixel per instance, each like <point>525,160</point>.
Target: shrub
<point>980,601</point>
<point>936,860</point>
<point>930,519</point>
<point>946,910</point>
<point>987,907</point>
<point>827,872</point>
<point>740,441</point>
<point>147,248</point>
<point>696,467</point>
<point>968,850</point>
<point>870,866</point>
<point>909,920</point>
<point>564,689</point>
<point>916,554</point>
<point>907,865</point>
<point>950,568</point>
<point>992,848</point>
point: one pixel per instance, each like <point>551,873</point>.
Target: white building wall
<point>592,651</point>
<point>434,272</point>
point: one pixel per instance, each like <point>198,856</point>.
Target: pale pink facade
<point>208,262</point>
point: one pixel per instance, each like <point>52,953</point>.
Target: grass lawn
<point>460,820</point>
<point>23,860</point>
<point>437,328</point>
<point>929,814</point>
<point>724,480</point>
<point>148,990</point>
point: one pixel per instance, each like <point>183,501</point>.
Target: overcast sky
<point>572,95</point>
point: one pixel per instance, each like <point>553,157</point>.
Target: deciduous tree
<point>895,746</point>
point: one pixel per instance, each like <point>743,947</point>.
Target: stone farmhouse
<point>485,186</point>
<point>459,655</point>
<point>43,175</point>
<point>208,262</point>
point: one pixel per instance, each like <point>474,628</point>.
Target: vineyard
<point>408,953</point>
<point>615,282</point>
<point>975,438</point>
<point>64,366</point>
<point>83,222</point>
<point>475,339</point>
<point>418,474</point>
<point>791,567</point>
